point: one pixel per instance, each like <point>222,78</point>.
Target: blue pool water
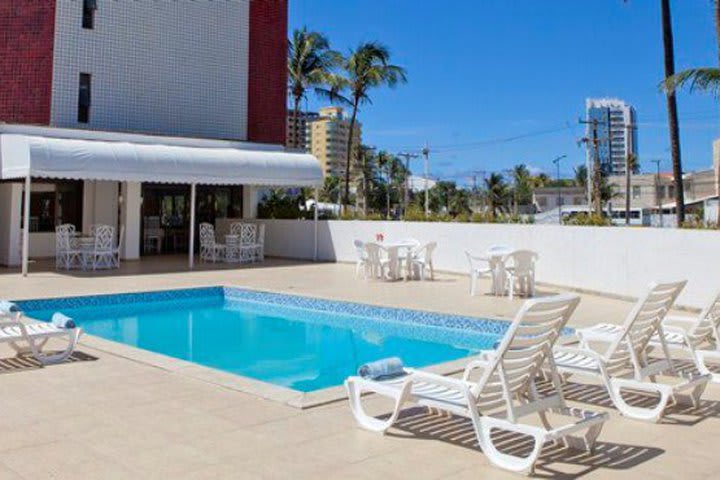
<point>297,342</point>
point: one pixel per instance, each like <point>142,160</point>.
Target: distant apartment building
<point>297,129</point>
<point>549,198</point>
<point>648,191</point>
<point>327,138</point>
<point>617,137</point>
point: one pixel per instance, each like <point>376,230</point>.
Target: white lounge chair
<point>504,393</point>
<point>32,338</point>
<point>625,366</point>
<point>697,337</point>
<point>479,267</point>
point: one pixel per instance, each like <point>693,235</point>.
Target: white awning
<point>80,159</point>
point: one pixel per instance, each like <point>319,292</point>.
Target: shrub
<point>588,220</point>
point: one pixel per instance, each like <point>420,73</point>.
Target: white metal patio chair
<point>210,250</point>
<point>421,260</point>
<point>31,338</point>
<point>625,366</point>
<point>248,242</point>
<point>260,243</point>
<point>520,272</point>
<point>232,249</point>
<point>117,249</point>
<point>101,254</point>
<point>479,267</point>
<point>697,337</point>
<point>504,393</point>
<point>66,255</point>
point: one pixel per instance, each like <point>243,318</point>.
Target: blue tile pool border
<point>393,314</point>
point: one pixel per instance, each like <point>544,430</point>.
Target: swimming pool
<point>301,343</point>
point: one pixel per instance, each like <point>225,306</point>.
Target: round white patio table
<point>494,257</point>
<point>393,251</point>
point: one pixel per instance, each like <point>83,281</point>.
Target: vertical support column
<point>315,220</point>
<point>131,210</point>
<point>191,248</point>
<point>26,228</point>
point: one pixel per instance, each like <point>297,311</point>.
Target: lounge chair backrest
<point>207,235</point>
<point>522,261</point>
<point>248,234</point>
<point>641,325</point>
<point>526,346</point>
<point>708,322</point>
<point>104,238</point>
<point>236,228</point>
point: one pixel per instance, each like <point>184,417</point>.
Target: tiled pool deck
<point>110,416</point>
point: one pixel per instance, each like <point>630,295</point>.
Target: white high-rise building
<point>616,133</point>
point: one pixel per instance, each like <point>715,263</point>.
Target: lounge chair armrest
<point>587,352</point>
<point>670,319</point>
<point>439,380</point>
<point>481,363</point>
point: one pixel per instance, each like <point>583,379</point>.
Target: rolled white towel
<point>385,368</point>
<point>8,307</point>
<point>62,321</point>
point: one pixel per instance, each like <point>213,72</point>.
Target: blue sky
<point>483,71</point>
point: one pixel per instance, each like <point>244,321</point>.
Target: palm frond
<point>706,79</point>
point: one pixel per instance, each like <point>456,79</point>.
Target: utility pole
<point>596,174</point>
<point>406,197</point>
<point>556,161</point>
<point>629,143</point>
<point>657,191</point>
<point>426,155</point>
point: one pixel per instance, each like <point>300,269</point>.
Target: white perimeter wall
<point>617,260</point>
<point>167,67</point>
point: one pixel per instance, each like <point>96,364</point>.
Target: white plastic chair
<point>504,393</point>
<point>376,265</point>
<point>32,337</point>
<point>624,364</point>
<point>697,337</point>
<point>520,272</point>
<point>421,260</point>
<point>361,256</point>
<point>210,250</point>
<point>479,267</point>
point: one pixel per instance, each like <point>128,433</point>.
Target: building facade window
<point>55,203</point>
<point>84,98</point>
<point>88,14</point>
<point>636,191</point>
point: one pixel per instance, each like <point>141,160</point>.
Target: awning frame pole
<point>191,250</point>
<point>26,228</point>
<point>315,220</point>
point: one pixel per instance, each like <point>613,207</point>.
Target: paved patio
<point>106,416</point>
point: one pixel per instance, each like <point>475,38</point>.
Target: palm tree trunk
<point>296,112</point>
<point>673,123</point>
<point>348,154</point>
<point>387,191</point>
<point>717,167</point>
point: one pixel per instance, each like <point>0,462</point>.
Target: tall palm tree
<point>385,163</point>
<point>310,65</point>
<point>367,67</point>
<point>497,192</point>
<point>673,123</point>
